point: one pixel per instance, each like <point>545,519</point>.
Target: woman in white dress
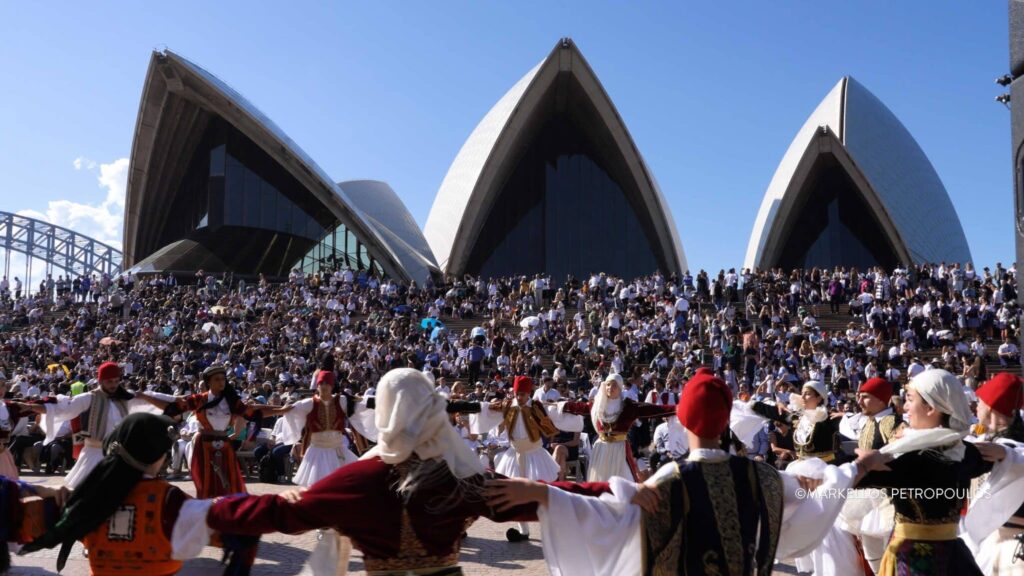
<point>613,416</point>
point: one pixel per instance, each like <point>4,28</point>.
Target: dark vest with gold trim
<point>877,433</point>
<point>715,518</point>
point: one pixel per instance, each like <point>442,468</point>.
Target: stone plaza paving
<point>485,552</point>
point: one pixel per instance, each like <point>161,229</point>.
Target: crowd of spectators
<point>764,333</point>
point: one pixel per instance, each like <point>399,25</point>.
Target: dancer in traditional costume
<point>93,415</point>
<point>318,425</point>
<point>816,439</point>
<point>526,422</point>
<point>133,523</point>
<point>929,469</point>
<point>613,416</point>
<point>10,414</point>
<point>221,414</point>
<point>405,504</point>
<point>816,434</point>
<point>715,513</point>
<point>868,515</point>
<point>995,519</point>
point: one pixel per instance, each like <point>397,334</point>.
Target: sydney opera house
<point>855,189</point>
<point>550,181</point>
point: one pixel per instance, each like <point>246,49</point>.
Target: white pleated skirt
<point>525,459</point>
<point>608,460</point>
<point>88,459</point>
<point>325,455</point>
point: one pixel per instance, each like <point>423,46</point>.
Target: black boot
<point>514,535</point>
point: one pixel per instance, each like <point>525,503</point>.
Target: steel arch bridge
<point>57,247</point>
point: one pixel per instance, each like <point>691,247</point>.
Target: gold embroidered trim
<point>722,493</point>
<point>771,487</point>
<point>411,553</point>
<point>867,435</point>
<point>889,426</point>
<point>663,540</point>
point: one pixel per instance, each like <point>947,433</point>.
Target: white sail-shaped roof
<point>178,99</point>
<point>474,179</point>
<point>899,182</point>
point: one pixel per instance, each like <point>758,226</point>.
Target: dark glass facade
<point>561,212</point>
<point>253,215</point>
<point>834,225</point>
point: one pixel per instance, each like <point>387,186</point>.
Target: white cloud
<point>83,162</point>
<point>102,221</point>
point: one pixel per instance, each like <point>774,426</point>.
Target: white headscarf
<point>411,418</point>
<point>605,409</point>
<point>942,391</point>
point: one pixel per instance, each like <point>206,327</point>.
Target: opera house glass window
<point>835,226</point>
<point>561,212</point>
<point>253,215</point>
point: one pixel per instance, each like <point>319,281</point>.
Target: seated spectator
<point>1008,353</point>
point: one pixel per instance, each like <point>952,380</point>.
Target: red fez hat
<point>704,371</point>
<point>705,405</point>
<point>1003,393</point>
<point>522,385</point>
<point>108,371</point>
<point>878,387</point>
<point>325,376</point>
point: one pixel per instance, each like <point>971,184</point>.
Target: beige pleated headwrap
<point>411,419</point>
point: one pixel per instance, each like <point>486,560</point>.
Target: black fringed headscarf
<point>138,441</point>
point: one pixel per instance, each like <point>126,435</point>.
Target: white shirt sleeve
<point>190,533</point>
<point>486,420</point>
<point>293,422</point>
<point>1005,484</point>
<point>807,518</point>
<point>586,535</point>
<point>64,409</point>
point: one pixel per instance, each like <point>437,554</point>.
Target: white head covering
<point>616,378</point>
<point>411,418</point>
<point>603,408</point>
<point>943,391</point>
<point>819,387</point>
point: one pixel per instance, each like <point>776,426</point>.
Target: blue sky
<point>711,92</point>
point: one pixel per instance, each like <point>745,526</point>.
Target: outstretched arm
<point>151,399</point>
<point>645,410</point>
<point>272,410</point>
<point>578,408</point>
<point>316,508</point>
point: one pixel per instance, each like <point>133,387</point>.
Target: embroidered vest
<point>536,420</point>
<point>715,518</point>
<point>877,433</point>
<point>323,417</point>
<point>93,422</point>
<point>132,541</point>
